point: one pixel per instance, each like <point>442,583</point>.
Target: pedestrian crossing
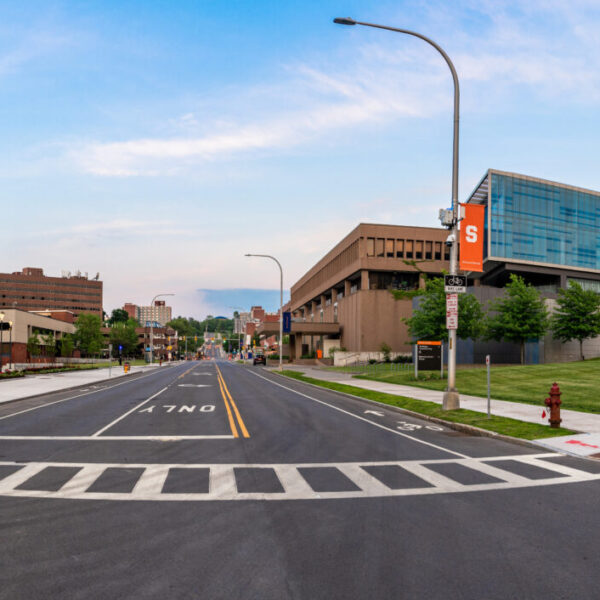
<point>307,481</point>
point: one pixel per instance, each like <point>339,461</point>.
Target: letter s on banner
<point>471,238</point>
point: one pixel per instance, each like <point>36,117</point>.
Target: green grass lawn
<point>579,382</point>
<point>501,425</point>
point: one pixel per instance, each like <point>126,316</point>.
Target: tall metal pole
<point>152,326</point>
<point>451,397</point>
<point>280,305</point>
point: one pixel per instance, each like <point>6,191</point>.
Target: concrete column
<point>347,287</point>
<point>421,281</point>
<point>364,280</point>
<point>333,296</point>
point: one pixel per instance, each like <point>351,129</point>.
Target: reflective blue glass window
<point>542,222</point>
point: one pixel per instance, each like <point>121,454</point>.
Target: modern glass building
<point>549,231</point>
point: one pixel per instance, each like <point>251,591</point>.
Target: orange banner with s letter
<point>471,238</point>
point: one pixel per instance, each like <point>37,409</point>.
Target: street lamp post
<point>152,325</point>
<point>451,397</point>
<point>280,305</point>
<point>1,341</point>
<point>10,326</point>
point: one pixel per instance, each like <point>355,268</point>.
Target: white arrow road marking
<point>375,412</point>
<point>193,385</point>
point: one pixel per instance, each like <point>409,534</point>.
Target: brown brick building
<point>345,299</point>
<point>31,290</point>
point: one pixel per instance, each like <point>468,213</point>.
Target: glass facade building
<point>536,221</point>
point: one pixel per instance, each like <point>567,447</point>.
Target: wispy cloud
<point>546,47</point>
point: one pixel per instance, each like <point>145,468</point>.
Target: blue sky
<point>157,142</point>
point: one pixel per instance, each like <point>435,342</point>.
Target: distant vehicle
<point>259,359</point>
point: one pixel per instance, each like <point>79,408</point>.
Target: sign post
<point>110,360</point>
<point>487,363</point>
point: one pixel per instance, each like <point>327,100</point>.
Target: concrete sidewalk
<point>571,419</point>
<point>34,385</point>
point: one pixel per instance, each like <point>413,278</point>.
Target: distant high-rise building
<point>31,290</point>
<point>159,313</point>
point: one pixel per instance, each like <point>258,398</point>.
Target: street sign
<point>455,284</point>
<point>287,322</point>
<point>451,311</point>
<point>429,355</point>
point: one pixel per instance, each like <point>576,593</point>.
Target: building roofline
<point>541,180</point>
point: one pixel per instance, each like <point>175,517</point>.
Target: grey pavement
<point>45,383</point>
<point>571,419</point>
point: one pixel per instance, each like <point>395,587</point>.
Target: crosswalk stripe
<point>223,484</point>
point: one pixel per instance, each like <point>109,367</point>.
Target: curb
<point>470,429</point>
<point>69,388</point>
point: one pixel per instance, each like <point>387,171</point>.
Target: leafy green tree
<point>87,333</point>
<point>577,316</point>
<point>33,345</point>
<point>119,315</point>
<point>49,344</point>
<point>124,334</point>
<point>519,316</point>
<point>429,319</point>
<point>66,345</point>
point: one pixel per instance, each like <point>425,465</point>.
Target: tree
<point>429,319</point>
<point>519,316</point>
<point>49,344</point>
<point>119,315</point>
<point>577,316</point>
<point>124,334</point>
<point>87,333</point>
<point>33,345</point>
<point>66,345</point>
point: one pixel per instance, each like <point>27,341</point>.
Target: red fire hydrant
<point>553,403</point>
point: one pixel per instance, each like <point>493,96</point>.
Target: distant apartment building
<point>159,313</point>
<point>31,290</point>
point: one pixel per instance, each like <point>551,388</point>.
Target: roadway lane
<point>282,491</point>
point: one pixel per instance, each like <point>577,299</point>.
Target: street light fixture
<point>280,304</point>
<point>451,398</point>
<point>152,325</point>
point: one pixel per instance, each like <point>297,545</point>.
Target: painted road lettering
<point>185,408</point>
<point>405,426</point>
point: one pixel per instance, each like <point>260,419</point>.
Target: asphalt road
<point>212,480</point>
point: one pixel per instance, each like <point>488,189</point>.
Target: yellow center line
<point>235,408</point>
<point>229,415</point>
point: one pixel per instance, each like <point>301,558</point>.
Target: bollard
<point>553,403</point>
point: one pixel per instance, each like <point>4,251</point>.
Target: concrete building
<point>31,290</point>
<point>18,326</point>
<point>345,301</point>
<point>160,313</point>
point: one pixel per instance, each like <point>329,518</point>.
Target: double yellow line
<point>229,403</point>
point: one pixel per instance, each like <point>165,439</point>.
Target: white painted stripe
<point>435,479</point>
<point>152,480</point>
<point>105,388</point>
<point>365,481</point>
<point>534,461</point>
<point>100,431</point>
<point>222,481</point>
<point>293,482</point>
<point>82,480</point>
<point>21,476</point>
<point>112,438</point>
<point>494,471</point>
<point>361,418</point>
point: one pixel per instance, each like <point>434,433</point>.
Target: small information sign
<point>429,355</point>
<point>455,284</point>
<point>452,311</point>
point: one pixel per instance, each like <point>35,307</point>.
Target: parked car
<point>259,359</point>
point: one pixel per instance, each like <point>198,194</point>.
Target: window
<point>438,251</point>
<point>335,313</point>
<point>428,250</point>
<point>379,247</point>
<point>389,248</point>
<point>419,250</point>
<point>446,252</point>
<point>399,248</point>
<point>370,246</point>
<point>409,248</point>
